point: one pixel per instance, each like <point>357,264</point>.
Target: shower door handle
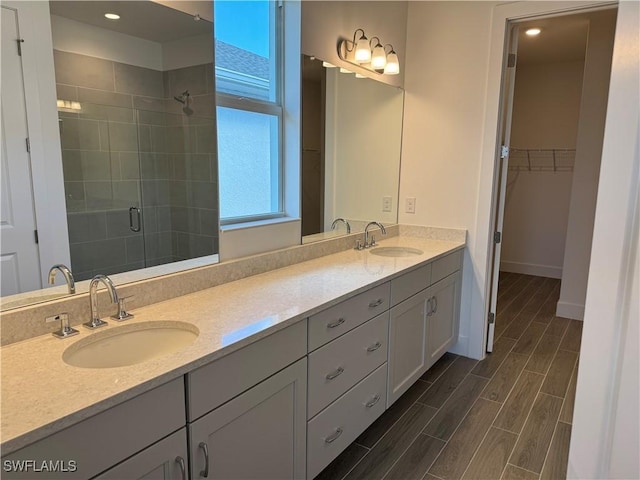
<point>135,210</point>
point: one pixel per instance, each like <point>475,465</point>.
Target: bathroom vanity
<point>288,368</point>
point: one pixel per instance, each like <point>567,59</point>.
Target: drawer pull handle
<point>183,468</point>
<point>435,301</point>
<point>335,324</point>
<point>373,401</point>
<point>334,436</point>
<point>374,347</point>
<point>377,303</point>
<point>429,312</point>
<point>335,373</point>
<point>205,448</point>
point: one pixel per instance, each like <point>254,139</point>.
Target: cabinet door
<point>165,460</point>
<point>260,434</point>
<point>443,321</point>
<point>407,352</point>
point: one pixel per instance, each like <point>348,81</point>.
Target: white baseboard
<point>548,271</point>
<point>570,310</point>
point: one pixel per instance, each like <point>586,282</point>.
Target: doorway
<point>554,129</point>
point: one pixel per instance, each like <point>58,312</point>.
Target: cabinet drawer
<point>352,414</point>
<point>336,367</point>
<point>99,442</point>
<point>445,266</point>
<point>167,459</point>
<point>221,380</point>
<point>339,319</point>
<point>410,283</point>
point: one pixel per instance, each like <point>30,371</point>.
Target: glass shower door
<point>103,192</point>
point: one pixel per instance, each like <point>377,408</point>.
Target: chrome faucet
<point>334,225</point>
<point>95,321</point>
<point>368,244</point>
<point>68,276</point>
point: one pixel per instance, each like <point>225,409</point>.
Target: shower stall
<point>140,185</point>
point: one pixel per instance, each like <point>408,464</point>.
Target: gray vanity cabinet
<point>407,347</point>
<point>164,460</point>
<point>444,304</point>
<point>425,325</point>
<point>96,444</point>
<point>260,434</point>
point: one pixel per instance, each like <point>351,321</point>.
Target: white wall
<point>546,110</point>
<point>584,188</point>
<point>445,87</point>
<point>324,23</point>
<point>77,37</point>
<point>363,148</point>
<point>81,38</point>
<point>604,439</point>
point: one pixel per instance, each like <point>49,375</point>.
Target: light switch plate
<point>410,205</point>
<point>386,204</point>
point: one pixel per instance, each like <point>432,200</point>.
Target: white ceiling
<point>562,39</point>
<point>142,19</point>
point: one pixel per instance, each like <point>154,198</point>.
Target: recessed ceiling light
<point>112,16</point>
<point>532,32</point>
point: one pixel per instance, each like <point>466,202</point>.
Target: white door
<point>20,258</point>
<point>508,83</point>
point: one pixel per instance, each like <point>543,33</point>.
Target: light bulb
<point>532,32</point>
<point>363,51</point>
<point>112,16</point>
<point>378,58</point>
<point>393,64</point>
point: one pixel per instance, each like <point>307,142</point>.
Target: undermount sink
<point>396,251</point>
<point>130,344</point>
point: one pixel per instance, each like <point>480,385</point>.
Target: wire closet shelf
<point>542,159</point>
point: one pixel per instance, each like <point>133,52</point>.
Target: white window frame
<point>274,108</point>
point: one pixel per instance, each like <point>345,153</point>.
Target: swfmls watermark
<point>38,466</point>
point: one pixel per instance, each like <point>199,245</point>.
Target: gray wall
<point>132,145</point>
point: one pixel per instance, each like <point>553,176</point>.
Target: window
<point>249,53</point>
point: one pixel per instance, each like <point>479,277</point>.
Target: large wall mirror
<point>136,113</point>
<point>351,141</point>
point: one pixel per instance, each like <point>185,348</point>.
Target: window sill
<point>257,223</point>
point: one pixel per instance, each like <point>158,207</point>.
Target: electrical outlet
<point>386,204</point>
<point>410,205</point>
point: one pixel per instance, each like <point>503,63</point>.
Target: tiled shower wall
<point>132,145</point>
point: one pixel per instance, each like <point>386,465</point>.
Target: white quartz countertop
<point>42,395</point>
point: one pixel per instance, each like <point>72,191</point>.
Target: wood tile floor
<point>506,417</point>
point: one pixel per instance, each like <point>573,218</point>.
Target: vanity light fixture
<point>532,32</point>
<point>378,57</point>
<point>393,64</point>
<point>68,106</point>
<point>112,16</point>
<point>328,65</point>
<point>345,70</point>
<point>369,54</point>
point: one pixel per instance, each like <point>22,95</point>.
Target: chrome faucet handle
<point>122,310</point>
<point>373,241</point>
<point>95,321</point>
<point>65,330</point>
<point>358,245</point>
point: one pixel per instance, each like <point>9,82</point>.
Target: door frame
<point>34,24</point>
<point>488,184</point>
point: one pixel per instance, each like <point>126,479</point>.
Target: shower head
<point>183,98</point>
